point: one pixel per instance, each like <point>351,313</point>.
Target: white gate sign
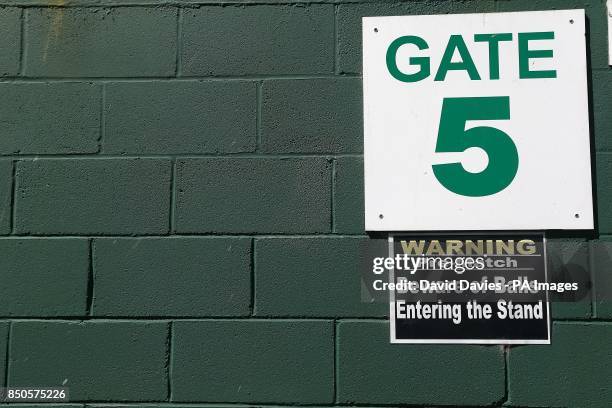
<point>476,122</point>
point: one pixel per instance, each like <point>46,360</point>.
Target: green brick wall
<point>181,209</point>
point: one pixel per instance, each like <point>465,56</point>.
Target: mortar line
<point>213,404</point>
<point>22,42</point>
<point>249,155</point>
<point>169,3</point>
<point>90,281</point>
<point>184,3</point>
<point>252,303</point>
<point>209,404</point>
<point>203,235</point>
<point>7,354</point>
<point>506,350</point>
<point>101,137</point>
<point>332,202</point>
<point>593,277</point>
<point>258,115</point>
<point>170,351</point>
<point>13,212</point>
<point>172,78</point>
<point>166,319</point>
<point>178,3</point>
<point>171,220</point>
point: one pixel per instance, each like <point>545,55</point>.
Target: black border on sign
<point>392,335</point>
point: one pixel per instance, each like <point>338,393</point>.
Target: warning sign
<point>488,289</point>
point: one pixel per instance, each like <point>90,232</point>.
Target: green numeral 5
<point>499,147</point>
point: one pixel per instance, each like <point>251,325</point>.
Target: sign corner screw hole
<point>381,216</point>
<point>576,215</point>
<point>571,21</point>
<point>375,29</point>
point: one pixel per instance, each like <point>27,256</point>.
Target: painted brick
<point>180,117</point>
<point>93,196</point>
<point>315,115</point>
<point>99,3</point>
<point>46,405</point>
<point>160,405</point>
<point>263,39</point>
<point>253,361</point>
<point>348,196</point>
<point>371,370</point>
<point>4,331</point>
<point>44,118</point>
<point>575,370</point>
<point>280,2</point>
<point>6,192</point>
<point>311,277</point>
<point>101,361</point>
<point>349,22</point>
<point>596,22</point>
<point>601,263</point>
<point>568,261</point>
<point>10,41</point>
<point>100,42</point>
<point>602,103</point>
<point>603,162</point>
<point>253,195</point>
<point>172,277</point>
<point>44,277</point>
<point>168,405</point>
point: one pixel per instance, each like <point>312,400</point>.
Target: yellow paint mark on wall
<point>55,28</point>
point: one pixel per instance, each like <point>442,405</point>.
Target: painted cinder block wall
<point>181,209</point>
